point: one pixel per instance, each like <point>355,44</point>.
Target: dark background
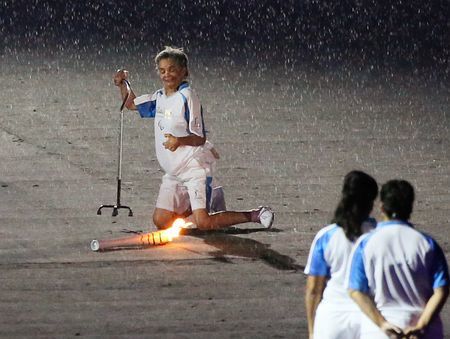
<point>410,33</point>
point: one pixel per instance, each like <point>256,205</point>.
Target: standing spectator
<point>330,311</point>
<point>398,275</point>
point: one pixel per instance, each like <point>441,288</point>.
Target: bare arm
<point>367,305</point>
<point>315,286</point>
<point>432,308</point>
<point>121,81</point>
<point>172,143</point>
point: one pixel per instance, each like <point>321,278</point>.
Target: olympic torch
<point>142,240</point>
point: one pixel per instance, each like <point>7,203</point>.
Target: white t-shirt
<point>329,255</point>
<point>179,114</point>
<point>399,266</point>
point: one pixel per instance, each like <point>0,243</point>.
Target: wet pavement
<point>286,135</point>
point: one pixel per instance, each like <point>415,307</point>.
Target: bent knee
<point>204,223</point>
<point>161,221</point>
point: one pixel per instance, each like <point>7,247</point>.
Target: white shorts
<point>334,322</point>
<point>192,188</point>
<point>401,319</point>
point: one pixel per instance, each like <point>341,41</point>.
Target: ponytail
<point>358,194</point>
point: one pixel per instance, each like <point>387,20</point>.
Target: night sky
<point>408,33</point>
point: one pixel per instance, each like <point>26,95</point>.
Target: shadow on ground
<point>228,243</point>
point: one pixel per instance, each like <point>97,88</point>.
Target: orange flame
<point>174,231</point>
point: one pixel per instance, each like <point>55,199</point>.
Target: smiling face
<point>171,74</point>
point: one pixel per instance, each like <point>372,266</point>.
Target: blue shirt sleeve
<point>317,263</point>
<point>146,106</point>
<point>357,277</point>
<point>438,265</point>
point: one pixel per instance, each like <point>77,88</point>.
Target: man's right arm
<point>315,286</point>
<point>121,81</point>
<point>367,305</point>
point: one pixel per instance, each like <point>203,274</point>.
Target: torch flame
<point>174,231</point>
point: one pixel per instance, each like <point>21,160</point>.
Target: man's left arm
<point>432,308</point>
<point>440,277</point>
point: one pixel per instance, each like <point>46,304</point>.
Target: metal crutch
<point>118,205</point>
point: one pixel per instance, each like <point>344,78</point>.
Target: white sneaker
<point>266,216</point>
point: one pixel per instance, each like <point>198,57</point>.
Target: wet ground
<point>287,133</point>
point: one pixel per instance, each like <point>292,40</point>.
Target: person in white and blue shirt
<point>182,149</point>
<point>331,313</point>
<point>399,275</point>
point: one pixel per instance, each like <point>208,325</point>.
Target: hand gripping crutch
<point>118,205</point>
